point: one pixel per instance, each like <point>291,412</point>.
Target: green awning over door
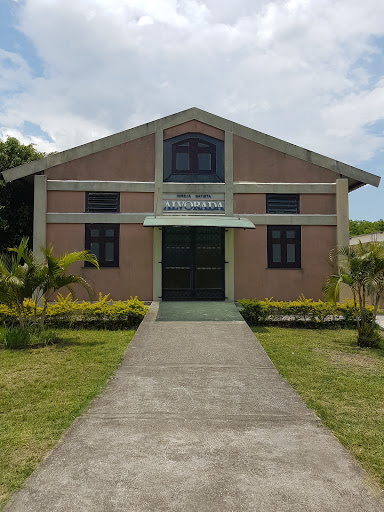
<point>218,221</point>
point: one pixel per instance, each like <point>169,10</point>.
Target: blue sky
<point>13,40</point>
<point>307,71</point>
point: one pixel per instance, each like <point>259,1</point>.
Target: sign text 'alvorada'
<point>213,203</point>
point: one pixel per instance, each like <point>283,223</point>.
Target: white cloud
<point>301,70</point>
<point>361,109</point>
<point>145,20</point>
<point>14,71</point>
<point>39,143</point>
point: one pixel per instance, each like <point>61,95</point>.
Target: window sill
<point>94,268</point>
<point>284,268</point>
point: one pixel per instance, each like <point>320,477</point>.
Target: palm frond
<point>73,257</point>
<point>21,251</point>
<point>65,281</point>
<point>23,275</point>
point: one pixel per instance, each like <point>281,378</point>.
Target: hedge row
<point>305,312</point>
<point>68,313</point>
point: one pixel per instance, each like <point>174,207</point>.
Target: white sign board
<point>194,203</point>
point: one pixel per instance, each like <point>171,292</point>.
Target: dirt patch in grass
<point>343,359</point>
<point>350,360</point>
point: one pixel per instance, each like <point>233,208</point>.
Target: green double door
<point>193,265</point>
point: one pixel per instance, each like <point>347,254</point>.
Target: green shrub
<point>254,311</point>
<point>44,336</point>
<point>7,315</point>
<point>68,313</point>
<point>369,336</point>
<point>305,312</point>
<point>16,337</point>
<point>103,314</point>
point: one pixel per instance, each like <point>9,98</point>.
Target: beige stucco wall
<point>321,204</point>
<point>255,162</point>
<point>249,203</point>
<point>136,202</point>
<point>131,161</point>
<point>63,201</point>
<point>193,127</point>
<point>254,280</point>
<point>69,201</point>
<point>133,277</point>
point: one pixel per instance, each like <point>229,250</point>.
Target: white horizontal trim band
<point>291,220</point>
<point>138,218</point>
<point>239,187</point>
<point>101,186</point>
<point>96,218</point>
<point>249,187</point>
<point>198,188</point>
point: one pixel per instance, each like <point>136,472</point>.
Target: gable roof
<point>356,177</point>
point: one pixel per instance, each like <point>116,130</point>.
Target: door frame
<point>229,264</point>
<point>198,240</point>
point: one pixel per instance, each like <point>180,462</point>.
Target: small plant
<point>43,336</point>
<point>369,338</point>
<point>17,337</point>
<point>360,267</point>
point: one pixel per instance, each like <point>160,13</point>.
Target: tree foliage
<point>364,227</point>
<point>361,268</point>
<point>16,198</point>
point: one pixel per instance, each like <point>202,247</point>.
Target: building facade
<point>195,207</point>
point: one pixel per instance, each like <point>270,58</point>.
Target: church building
<point>194,207</point>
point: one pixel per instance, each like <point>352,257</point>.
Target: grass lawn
<point>43,390</point>
<point>342,383</point>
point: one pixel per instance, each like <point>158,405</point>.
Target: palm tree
<point>18,278</point>
<point>360,267</point>
<point>54,276</point>
<point>24,276</point>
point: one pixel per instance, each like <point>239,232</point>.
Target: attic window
<point>194,158</point>
<point>283,203</point>
<point>193,155</point>
<point>102,202</point>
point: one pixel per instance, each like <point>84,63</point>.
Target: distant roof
<point>356,177</point>
<point>369,237</point>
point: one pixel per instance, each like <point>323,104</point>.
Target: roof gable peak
<point>357,177</point>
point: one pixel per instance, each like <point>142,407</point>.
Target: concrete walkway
<point>380,321</point>
<point>196,418</point>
